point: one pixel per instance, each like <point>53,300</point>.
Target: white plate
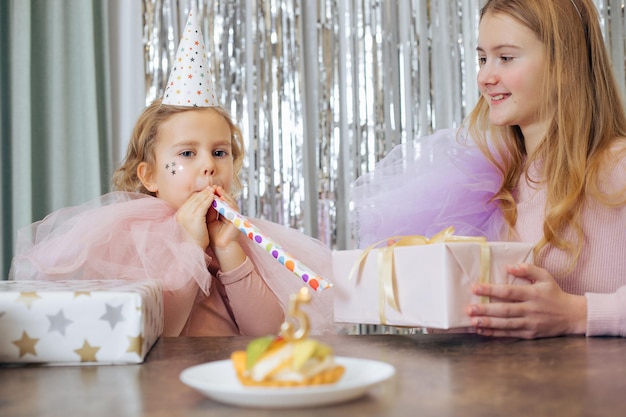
<point>218,381</point>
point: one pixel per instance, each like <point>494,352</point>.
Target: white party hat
<point>191,82</point>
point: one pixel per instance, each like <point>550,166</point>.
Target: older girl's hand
<point>540,309</point>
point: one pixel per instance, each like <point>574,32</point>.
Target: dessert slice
<point>288,360</point>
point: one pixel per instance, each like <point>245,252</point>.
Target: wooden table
<point>437,375</point>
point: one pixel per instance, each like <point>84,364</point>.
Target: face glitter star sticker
<point>190,83</point>
<point>173,167</point>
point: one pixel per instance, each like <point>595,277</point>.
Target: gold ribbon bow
<point>386,273</point>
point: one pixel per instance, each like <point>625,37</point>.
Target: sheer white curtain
<point>72,86</point>
<point>128,78</point>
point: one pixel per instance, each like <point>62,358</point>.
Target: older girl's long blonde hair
<point>588,118</point>
<point>141,147</point>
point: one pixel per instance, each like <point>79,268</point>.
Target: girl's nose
<point>209,167</point>
<point>486,75</point>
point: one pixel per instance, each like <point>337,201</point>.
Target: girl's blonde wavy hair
<point>583,99</point>
<point>141,147</point>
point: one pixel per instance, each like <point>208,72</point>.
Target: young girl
<point>552,126</point>
<point>160,224</point>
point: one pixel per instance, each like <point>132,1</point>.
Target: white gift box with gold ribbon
<point>79,321</point>
<point>420,285</point>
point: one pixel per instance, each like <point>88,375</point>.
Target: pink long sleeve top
<point>238,303</point>
<point>600,274</point>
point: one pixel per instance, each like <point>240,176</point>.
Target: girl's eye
<point>187,154</point>
<point>483,60</point>
<point>220,154</point>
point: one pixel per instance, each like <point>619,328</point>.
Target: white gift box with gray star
<point>79,322</point>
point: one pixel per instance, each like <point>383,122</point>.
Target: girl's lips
<point>499,97</point>
<point>202,183</point>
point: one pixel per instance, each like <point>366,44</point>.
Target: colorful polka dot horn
<point>316,282</point>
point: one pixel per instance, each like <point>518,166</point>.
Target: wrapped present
<point>79,321</point>
<point>420,285</point>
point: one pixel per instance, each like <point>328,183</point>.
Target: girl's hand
<point>224,235</point>
<point>193,213</point>
<point>222,231</point>
<point>540,309</point>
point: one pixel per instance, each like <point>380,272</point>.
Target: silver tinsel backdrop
<point>322,89</point>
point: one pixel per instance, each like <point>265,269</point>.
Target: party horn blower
<point>316,282</point>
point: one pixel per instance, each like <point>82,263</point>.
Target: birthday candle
<point>316,282</point>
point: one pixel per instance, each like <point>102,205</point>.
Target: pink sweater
<point>600,273</point>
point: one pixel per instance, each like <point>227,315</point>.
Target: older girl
<point>551,109</point>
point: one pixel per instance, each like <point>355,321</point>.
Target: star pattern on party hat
<point>191,83</point>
